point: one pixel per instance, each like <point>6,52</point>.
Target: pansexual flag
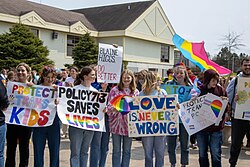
<point>195,52</point>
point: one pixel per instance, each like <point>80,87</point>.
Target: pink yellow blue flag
<point>195,52</point>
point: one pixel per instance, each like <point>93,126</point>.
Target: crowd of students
<point>144,83</point>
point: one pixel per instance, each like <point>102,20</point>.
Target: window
<point>164,53</point>
<point>35,32</point>
<point>71,43</point>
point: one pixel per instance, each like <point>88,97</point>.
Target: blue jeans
<point>95,149</point>
<point>104,144</point>
<point>80,140</point>
<point>184,141</point>
<point>117,160</point>
<point>213,140</point>
<point>52,134</point>
<point>2,142</point>
<point>151,144</point>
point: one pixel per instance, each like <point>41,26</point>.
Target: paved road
<point>137,158</point>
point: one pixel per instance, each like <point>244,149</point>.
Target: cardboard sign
<point>214,104</point>
<point>242,110</point>
<point>182,91</point>
<point>82,108</point>
<point>109,63</point>
<point>153,116</point>
<point>30,106</point>
<point>193,118</point>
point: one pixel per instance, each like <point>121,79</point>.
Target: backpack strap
<point>235,83</point>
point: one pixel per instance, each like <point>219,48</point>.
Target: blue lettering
<point>169,101</point>
<point>159,102</point>
<point>140,128</point>
<point>163,128</point>
<point>38,92</point>
<point>171,128</point>
<point>14,114</point>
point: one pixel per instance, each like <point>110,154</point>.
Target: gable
<point>78,28</point>
<point>32,19</point>
<point>153,23</point>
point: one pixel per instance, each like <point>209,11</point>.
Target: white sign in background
<point>242,110</point>
<point>109,63</point>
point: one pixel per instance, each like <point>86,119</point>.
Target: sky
<point>194,20</point>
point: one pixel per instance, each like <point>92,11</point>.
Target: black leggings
<point>14,133</point>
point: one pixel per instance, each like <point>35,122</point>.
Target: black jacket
<point>4,103</point>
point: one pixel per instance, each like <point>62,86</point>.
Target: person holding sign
<point>239,127</point>
<point>19,133</point>
<point>180,78</point>
<point>153,143</point>
<point>80,139</point>
<point>211,136</point>
<point>51,133</point>
<point>118,122</point>
<point>4,102</point>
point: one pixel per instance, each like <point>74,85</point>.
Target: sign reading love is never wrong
<point>109,63</point>
<point>153,116</point>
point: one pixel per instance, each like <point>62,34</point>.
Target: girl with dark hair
<point>211,136</point>
<point>118,123</point>
<point>50,133</point>
<point>19,133</point>
<point>80,139</point>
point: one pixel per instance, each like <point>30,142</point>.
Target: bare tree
<point>233,42</point>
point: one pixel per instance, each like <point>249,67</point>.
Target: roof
<point>114,17</point>
<point>48,13</point>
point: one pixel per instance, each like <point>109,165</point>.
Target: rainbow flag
<point>195,52</point>
<point>121,103</point>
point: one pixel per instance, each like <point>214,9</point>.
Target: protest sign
<point>214,104</point>
<point>82,108</point>
<point>193,118</point>
<point>242,110</point>
<point>182,91</point>
<point>153,116</point>
<point>109,63</point>
<point>30,106</point>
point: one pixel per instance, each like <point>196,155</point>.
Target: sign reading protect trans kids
<point>32,106</point>
<point>109,63</point>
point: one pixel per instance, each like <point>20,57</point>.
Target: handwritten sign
<point>242,110</point>
<point>82,108</point>
<point>153,116</point>
<point>109,63</point>
<point>214,104</point>
<point>30,106</point>
<point>193,118</point>
<point>182,91</point>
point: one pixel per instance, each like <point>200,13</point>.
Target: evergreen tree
<point>85,52</point>
<point>21,45</point>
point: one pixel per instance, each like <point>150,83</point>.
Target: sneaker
<point>193,146</point>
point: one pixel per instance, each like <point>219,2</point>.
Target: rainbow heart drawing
<point>121,104</point>
<point>216,106</point>
<point>145,103</point>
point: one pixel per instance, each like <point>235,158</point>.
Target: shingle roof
<point>48,13</point>
<point>114,17</point>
